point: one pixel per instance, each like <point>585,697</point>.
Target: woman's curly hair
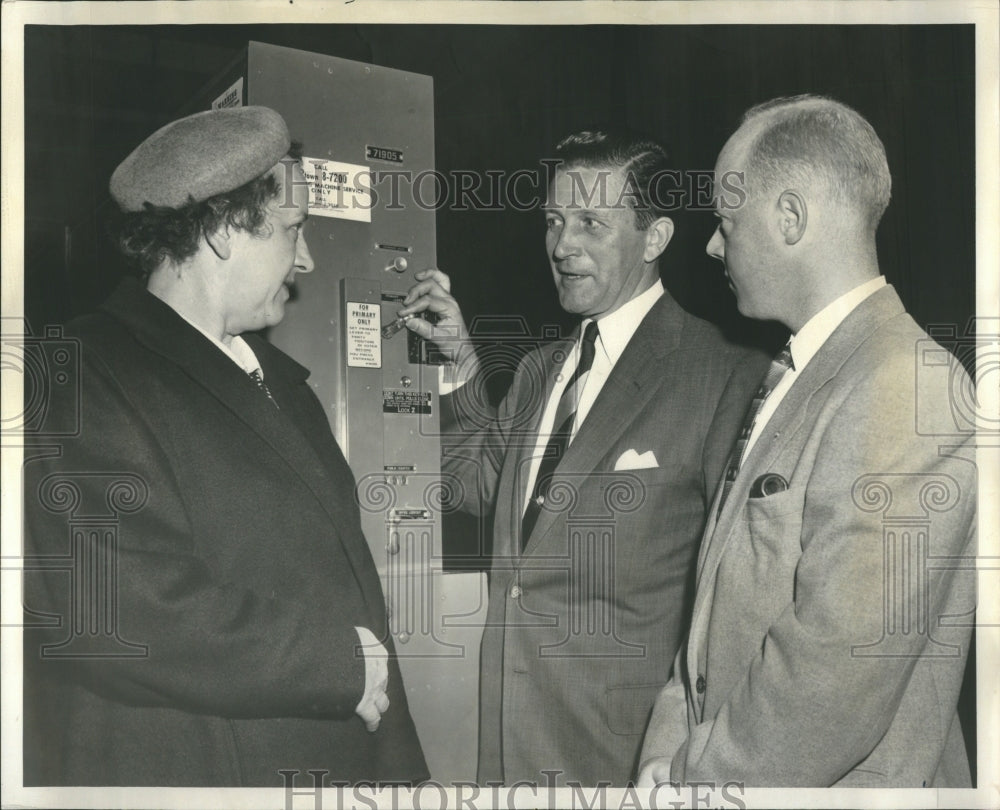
<point>156,234</point>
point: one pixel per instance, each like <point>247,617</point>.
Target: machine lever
<point>391,329</point>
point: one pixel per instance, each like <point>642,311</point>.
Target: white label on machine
<point>342,190</point>
<point>233,97</point>
<point>364,340</point>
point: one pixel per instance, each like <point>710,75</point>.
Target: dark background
<point>504,95</point>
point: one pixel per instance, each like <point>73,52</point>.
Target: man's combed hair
<point>807,137</point>
<point>150,237</point>
<point>643,161</point>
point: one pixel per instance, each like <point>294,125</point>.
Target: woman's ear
<point>219,241</point>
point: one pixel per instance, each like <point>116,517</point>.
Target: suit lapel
<point>779,431</point>
<point>632,382</point>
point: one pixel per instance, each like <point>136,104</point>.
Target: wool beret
<point>197,157</point>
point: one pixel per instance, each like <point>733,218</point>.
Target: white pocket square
<point>631,460</point>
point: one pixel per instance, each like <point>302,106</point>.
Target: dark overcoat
<point>200,555</point>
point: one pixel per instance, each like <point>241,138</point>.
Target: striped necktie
<point>560,438</point>
<point>779,365</point>
<point>259,382</point>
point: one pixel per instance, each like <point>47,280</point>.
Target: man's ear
<point>219,241</point>
<point>793,215</point>
<point>658,236</point>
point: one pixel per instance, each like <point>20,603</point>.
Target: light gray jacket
<point>832,620</point>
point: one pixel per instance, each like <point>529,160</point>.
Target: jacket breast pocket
<point>629,707</point>
<point>635,492</point>
<point>775,526</point>
<point>631,487</point>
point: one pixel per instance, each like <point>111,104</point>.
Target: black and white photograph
<point>500,404</point>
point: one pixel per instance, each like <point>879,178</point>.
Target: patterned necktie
<point>259,382</point>
<point>560,438</point>
<point>779,365</point>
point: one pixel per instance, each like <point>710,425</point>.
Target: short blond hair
<point>802,139</point>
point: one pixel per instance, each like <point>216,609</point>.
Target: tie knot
<point>590,333</point>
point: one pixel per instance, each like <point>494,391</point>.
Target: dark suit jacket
<point>832,619</point>
<point>583,626</point>
<point>238,575</point>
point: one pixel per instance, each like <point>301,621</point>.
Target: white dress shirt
<point>614,332</point>
<point>804,345</point>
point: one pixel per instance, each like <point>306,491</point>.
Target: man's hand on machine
<point>432,294</point>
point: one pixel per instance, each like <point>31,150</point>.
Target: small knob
<point>397,265</point>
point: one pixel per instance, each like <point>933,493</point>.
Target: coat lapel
<point>633,380</point>
<point>780,429</point>
<point>163,331</point>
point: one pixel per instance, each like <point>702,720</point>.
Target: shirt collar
<point>811,337</point>
<point>238,350</point>
<point>616,329</point>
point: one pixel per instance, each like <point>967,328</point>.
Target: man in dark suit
<point>220,617</point>
<point>600,464</point>
<point>832,618</point>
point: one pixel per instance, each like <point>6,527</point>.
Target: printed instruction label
<point>364,342</point>
<point>232,97</point>
<point>341,190</point>
<point>402,401</point>
<point>409,514</point>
